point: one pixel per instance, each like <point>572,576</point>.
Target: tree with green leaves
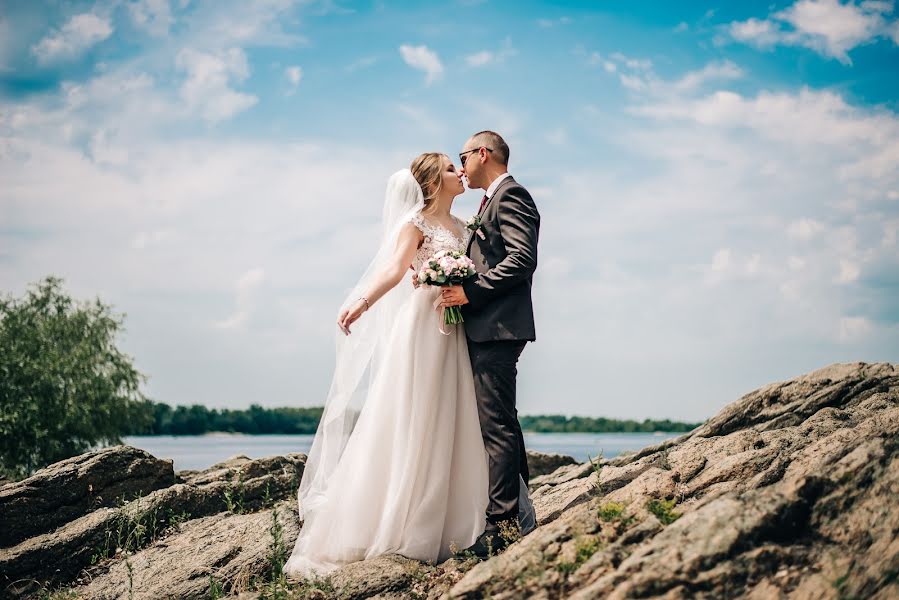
<point>64,385</point>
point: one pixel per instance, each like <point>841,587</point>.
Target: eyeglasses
<point>462,156</point>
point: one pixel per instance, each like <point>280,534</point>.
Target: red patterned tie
<point>483,204</point>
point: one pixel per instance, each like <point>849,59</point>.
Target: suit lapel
<point>496,193</point>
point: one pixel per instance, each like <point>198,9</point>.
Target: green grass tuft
<point>663,510</point>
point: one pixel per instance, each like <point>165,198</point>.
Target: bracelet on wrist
<point>364,299</point>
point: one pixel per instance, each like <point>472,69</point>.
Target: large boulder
<point>67,490</point>
<point>787,493</point>
<point>542,463</point>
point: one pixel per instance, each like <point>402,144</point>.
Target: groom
<point>499,321</point>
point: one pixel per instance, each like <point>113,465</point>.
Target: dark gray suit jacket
<point>500,305</point>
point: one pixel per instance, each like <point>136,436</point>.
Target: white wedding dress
<point>412,478</point>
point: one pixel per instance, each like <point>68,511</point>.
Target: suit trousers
<point>494,365</point>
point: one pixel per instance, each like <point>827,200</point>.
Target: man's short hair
<point>494,141</point>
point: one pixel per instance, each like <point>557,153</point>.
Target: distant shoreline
<point>157,418</point>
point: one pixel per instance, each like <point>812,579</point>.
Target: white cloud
<point>806,119</point>
<point>721,260</point>
<point>547,23</point>
<point>224,255</point>
<point>207,87</point>
<point>756,31</point>
<point>649,199</point>
<point>636,64</point>
<point>853,328</point>
<point>227,23</point>
<point>77,35</point>
<point>830,27</point>
<point>638,75</point>
<point>487,57</point>
<point>744,195</point>
<point>804,229</point>
<point>423,59</point>
<point>153,16</point>
<point>849,272</point>
<point>714,71</point>
<point>479,59</point>
<point>681,27</point>
<point>293,74</point>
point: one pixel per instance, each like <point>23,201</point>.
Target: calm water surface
<point>199,452</point>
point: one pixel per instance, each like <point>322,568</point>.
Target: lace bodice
<point>437,238</point>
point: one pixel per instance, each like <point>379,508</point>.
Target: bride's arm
<point>408,241</point>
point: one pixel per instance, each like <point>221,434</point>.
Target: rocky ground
<point>789,492</point>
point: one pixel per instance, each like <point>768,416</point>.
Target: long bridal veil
<point>357,354</point>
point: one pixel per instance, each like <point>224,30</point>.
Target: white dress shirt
<point>495,184</point>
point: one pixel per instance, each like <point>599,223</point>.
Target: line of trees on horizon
<point>197,419</point>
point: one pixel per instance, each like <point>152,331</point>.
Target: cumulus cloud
<point>638,75</point>
<point>207,86</point>
<point>72,39</point>
<point>731,235</point>
<point>830,27</point>
<point>211,249</point>
<point>755,225</point>
<point>153,16</point>
<point>424,59</point>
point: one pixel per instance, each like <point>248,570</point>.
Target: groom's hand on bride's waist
<point>453,295</point>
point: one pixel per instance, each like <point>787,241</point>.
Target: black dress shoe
<point>491,542</point>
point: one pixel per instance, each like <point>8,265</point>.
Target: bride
<point>398,462</point>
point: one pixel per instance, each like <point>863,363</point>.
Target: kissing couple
<point>419,451</point>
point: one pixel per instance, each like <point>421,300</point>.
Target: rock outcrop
<point>789,492</point>
<point>543,463</point>
<point>72,488</point>
<point>141,516</point>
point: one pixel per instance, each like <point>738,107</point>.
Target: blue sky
<point>719,185</point>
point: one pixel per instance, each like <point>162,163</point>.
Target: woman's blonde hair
<point>427,169</point>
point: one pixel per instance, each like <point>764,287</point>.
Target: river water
<point>202,451</point>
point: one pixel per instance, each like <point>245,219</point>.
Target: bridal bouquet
<point>444,269</point>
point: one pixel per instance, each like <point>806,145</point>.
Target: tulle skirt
<point>413,477</point>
